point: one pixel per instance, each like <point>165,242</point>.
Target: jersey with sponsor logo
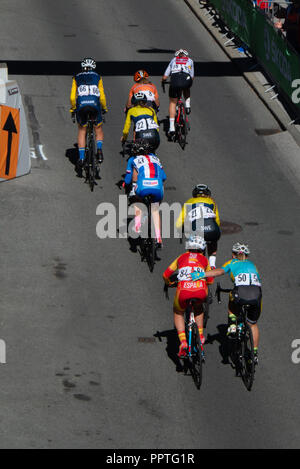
<point>87,90</point>
<point>186,264</point>
<point>242,273</point>
<point>148,167</point>
<point>180,64</point>
<point>148,89</point>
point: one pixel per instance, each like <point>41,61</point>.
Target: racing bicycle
<point>91,166</point>
<point>195,357</point>
<point>148,244</point>
<point>182,125</point>
<point>242,345</point>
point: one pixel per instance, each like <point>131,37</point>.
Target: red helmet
<point>140,74</point>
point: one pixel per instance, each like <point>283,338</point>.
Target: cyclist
<point>146,176</point>
<point>202,207</point>
<point>246,290</point>
<point>143,85</point>
<point>181,71</point>
<point>144,120</point>
<point>87,96</point>
<point>192,261</point>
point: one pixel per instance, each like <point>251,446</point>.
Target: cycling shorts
<point>246,295</point>
<point>151,135</point>
<point>179,81</point>
<point>187,290</point>
<point>83,112</point>
<point>153,187</point>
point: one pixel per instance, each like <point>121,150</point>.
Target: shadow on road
<point>222,339</point>
<point>172,346</point>
<point>117,68</point>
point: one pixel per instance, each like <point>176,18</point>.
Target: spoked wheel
<point>181,137</point>
<point>150,253</point>
<point>247,365</point>
<point>206,307</point>
<point>197,358</point>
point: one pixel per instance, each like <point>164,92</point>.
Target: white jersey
<point>180,64</point>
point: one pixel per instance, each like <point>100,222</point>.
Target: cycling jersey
<point>242,273</point>
<point>151,176</point>
<point>180,64</point>
<point>87,90</point>
<point>187,288</point>
<point>197,208</point>
<point>143,118</point>
<point>147,88</point>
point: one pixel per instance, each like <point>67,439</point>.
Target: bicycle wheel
<point>196,359</point>
<point>206,307</point>
<point>247,367</point>
<point>182,130</point>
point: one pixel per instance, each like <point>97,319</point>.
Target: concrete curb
<point>257,80</point>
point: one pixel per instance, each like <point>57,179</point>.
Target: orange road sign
<point>9,141</point>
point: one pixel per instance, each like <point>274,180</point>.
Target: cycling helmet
<point>196,242</point>
<point>141,147</point>
<point>239,248</point>
<point>88,64</point>
<point>139,98</point>
<point>140,74</point>
<point>181,52</point>
<point>201,190</point>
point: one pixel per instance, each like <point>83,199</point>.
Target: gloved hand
<point>197,275</point>
<point>132,192</point>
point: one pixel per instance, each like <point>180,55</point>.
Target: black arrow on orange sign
<point>9,127</point>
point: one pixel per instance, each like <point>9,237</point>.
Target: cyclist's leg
<point>172,113</point>
<point>179,309</point>
<point>211,236</point>
<point>81,140</point>
<point>253,316</point>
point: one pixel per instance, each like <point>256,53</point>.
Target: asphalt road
<point>79,314</point>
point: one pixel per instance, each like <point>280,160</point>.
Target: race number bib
<point>184,274</point>
<point>145,124</point>
<point>88,90</point>
<point>200,211</point>
<point>246,280</point>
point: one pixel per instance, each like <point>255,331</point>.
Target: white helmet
<point>88,64</point>
<point>239,248</point>
<point>196,242</point>
<point>181,51</point>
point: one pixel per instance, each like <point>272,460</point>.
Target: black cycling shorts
<point>86,112</point>
<point>179,81</point>
<point>246,295</point>
<point>209,230</point>
<point>151,136</point>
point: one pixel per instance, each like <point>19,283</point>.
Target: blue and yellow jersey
<point>87,85</point>
<point>143,118</point>
<point>191,207</point>
<point>242,272</point>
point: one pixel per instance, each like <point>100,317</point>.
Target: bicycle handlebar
<point>163,83</point>
<point>219,289</point>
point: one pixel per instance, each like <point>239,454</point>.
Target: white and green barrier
<point>276,55</point>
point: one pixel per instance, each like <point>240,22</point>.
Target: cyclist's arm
<point>214,273</point>
<point>102,95</point>
<point>192,70</point>
<point>170,271</point>
<point>127,125</point>
<point>181,218</point>
<point>156,96</point>
<point>73,95</point>
<point>167,72</point>
<point>129,169</point>
<point>217,215</point>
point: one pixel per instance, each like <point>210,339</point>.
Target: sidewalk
<point>249,68</point>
